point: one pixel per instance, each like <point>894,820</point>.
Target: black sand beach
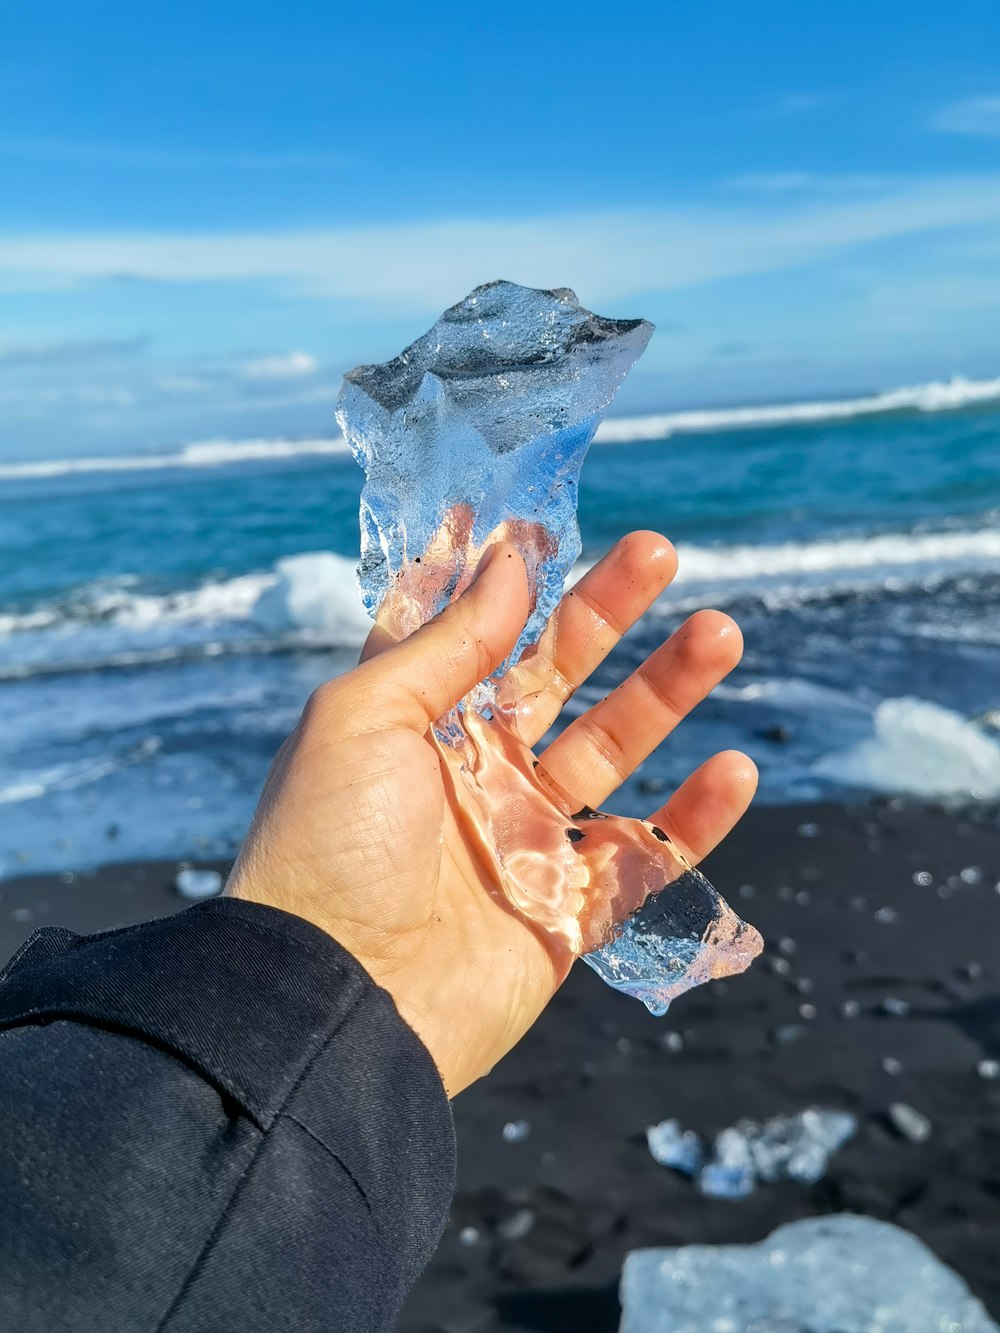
<point>540,1226</point>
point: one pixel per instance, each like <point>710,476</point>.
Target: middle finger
<point>598,751</point>
<point>589,621</point>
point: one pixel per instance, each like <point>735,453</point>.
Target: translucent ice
<point>678,1148</point>
<point>787,1147</point>
<point>198,883</point>
<point>793,1147</point>
<point>477,433</point>
<point>840,1274</point>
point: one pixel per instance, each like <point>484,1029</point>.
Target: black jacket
<point>211,1122</point>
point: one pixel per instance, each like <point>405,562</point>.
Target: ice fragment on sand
<point>840,1274</point>
<point>909,1123</point>
<point>198,883</point>
<point>515,1131</point>
<point>788,1147</point>
<point>475,434</point>
<point>681,1149</point>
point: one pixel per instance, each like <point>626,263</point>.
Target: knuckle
<point>321,704</point>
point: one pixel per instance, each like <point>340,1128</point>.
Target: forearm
<point>213,1121</point>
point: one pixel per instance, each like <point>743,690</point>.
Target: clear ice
<point>840,1274</point>
<point>787,1147</point>
<point>475,434</point>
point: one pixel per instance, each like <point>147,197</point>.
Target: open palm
<point>360,830</point>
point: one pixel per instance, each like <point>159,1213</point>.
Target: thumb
<point>424,675</point>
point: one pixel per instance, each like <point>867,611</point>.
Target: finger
<point>420,678</point>
<point>589,621</point>
<point>705,808</point>
<point>598,751</point>
<point>378,640</point>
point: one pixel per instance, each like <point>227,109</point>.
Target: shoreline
<point>539,1227</point>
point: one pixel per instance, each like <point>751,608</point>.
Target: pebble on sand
<point>909,1123</point>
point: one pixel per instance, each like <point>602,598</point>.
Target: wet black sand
<point>547,1220</point>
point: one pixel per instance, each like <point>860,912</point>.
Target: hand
<point>357,832</point>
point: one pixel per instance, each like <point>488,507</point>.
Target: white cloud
<point>972,115</point>
<point>289,367</point>
<point>412,268</point>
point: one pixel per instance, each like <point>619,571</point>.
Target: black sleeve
<point>211,1122</point>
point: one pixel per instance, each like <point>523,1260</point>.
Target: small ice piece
<point>731,1173</point>
<point>515,1131</point>
<point>891,1065</point>
<point>476,433</point>
<point>988,1069</point>
<point>923,878</point>
<point>808,830</point>
<point>468,1236</point>
<point>517,1225</point>
<point>793,1147</point>
<point>838,1274</point>
<point>678,1148</point>
<point>192,883</point>
<point>909,1123</point>
<point>893,1007</point>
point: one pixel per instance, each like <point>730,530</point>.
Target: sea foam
<point>934,396</point>
<point>315,595</point>
<point>919,749</point>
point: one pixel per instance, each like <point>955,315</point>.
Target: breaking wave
<point>878,554</point>
<point>935,396</point>
<point>311,600</point>
<point>919,749</point>
<point>207,453</point>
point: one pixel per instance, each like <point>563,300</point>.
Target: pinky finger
<point>708,805</point>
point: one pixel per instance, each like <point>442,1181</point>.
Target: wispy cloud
<point>412,267</point>
<point>291,366</point>
<point>152,158</point>
<point>972,115</point>
<point>63,354</point>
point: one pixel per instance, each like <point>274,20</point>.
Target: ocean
<point>164,617</point>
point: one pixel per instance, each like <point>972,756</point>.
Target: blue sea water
<point>162,620</point>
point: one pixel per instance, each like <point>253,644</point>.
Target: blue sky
<point>208,213</point>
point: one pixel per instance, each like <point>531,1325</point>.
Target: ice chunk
<point>482,425</point>
<point>787,1147</point>
<point>477,433</point>
<point>921,749</point>
<point>840,1274</point>
<point>672,1146</point>
<point>909,1123</point>
<point>198,883</point>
